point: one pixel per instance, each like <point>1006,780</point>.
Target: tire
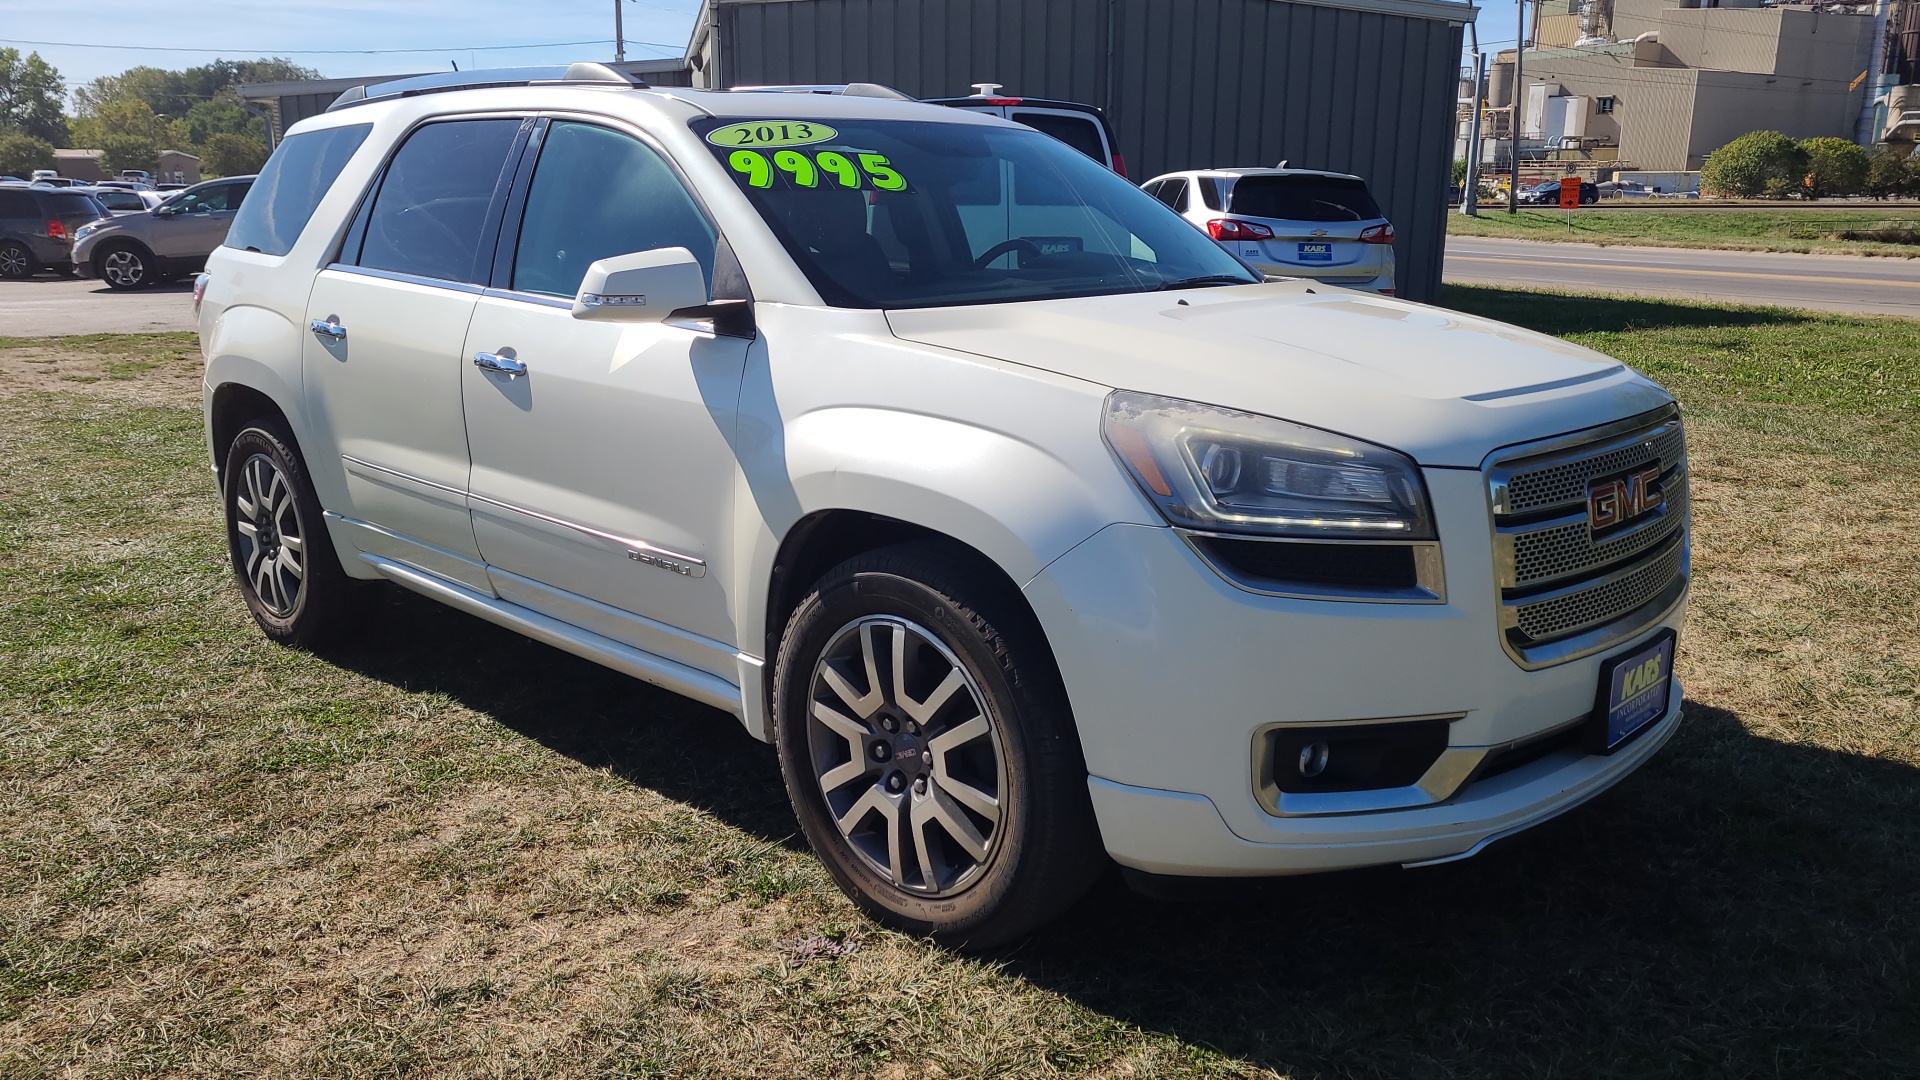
<point>16,261</point>
<point>124,266</point>
<point>965,798</point>
<point>296,590</point>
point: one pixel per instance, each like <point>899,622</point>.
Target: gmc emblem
<point>1614,502</point>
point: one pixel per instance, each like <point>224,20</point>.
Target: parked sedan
<point>1289,222</point>
<point>133,251</point>
<point>1548,194</point>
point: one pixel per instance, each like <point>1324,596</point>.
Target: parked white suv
<point>1289,222</point>
<point>1029,526</point>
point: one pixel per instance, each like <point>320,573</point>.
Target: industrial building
<point>1651,85</point>
<point>1359,86</point>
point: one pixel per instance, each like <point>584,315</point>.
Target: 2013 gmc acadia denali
<point>1030,526</point>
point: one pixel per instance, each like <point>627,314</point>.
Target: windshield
<point>908,213</point>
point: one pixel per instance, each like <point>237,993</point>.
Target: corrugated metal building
<point>1359,86</point>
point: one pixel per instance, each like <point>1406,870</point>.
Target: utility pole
<point>619,35</point>
<point>1513,127</point>
<point>1470,195</point>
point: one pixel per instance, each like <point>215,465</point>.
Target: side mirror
<point>645,286</point>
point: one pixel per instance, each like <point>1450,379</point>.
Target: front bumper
<point>1172,671</point>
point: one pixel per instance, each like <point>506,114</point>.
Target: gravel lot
<point>43,306</point>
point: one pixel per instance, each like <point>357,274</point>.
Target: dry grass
<point>407,857</point>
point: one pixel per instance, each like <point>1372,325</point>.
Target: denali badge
<point>1614,502</point>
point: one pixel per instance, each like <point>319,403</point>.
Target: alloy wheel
<point>124,268</point>
<point>15,261</point>
<point>268,520</point>
<point>906,755</point>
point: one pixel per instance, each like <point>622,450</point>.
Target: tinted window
<point>1173,192</point>
<point>597,193</point>
<point>121,200</point>
<point>71,204</point>
<point>1210,192</point>
<point>1078,132</point>
<point>18,204</point>
<point>291,185</point>
<point>1303,198</point>
<point>431,210</point>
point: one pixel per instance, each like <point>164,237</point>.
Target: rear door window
<point>1076,130</point>
<point>431,210</point>
<point>18,204</point>
<point>1173,192</point>
<point>292,184</point>
<point>1303,198</point>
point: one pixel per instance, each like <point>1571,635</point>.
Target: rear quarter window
<point>1303,198</point>
<point>291,186</point>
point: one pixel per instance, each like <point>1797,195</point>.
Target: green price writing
<point>771,133</point>
<point>802,170</point>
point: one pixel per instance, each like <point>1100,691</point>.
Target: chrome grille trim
<point>1564,595</point>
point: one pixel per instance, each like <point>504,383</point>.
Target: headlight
<point>1217,470</point>
<point>86,231</point>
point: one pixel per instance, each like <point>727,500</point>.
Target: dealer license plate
<point>1316,252</point>
<point>1633,690</point>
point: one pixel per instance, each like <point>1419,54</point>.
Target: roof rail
<point>443,82</point>
<point>856,89</point>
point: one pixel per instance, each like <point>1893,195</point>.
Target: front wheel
<point>124,266</point>
<point>927,746</point>
<point>289,575</point>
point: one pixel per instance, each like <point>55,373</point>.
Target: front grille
<point>1564,594</point>
<point>1565,482</point>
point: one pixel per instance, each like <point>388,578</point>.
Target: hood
<point>1443,387</point>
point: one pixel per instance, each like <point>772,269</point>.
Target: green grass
<point>439,849</point>
<point>1850,228</point>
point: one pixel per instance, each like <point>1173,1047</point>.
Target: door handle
<point>329,327</point>
<point>505,365</point>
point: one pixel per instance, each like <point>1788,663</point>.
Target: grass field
<point>1849,228</point>
<point>441,850</point>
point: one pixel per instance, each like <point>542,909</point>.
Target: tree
<point>122,152</point>
<point>1757,163</point>
<point>121,117</point>
<point>232,155</point>
<point>175,93</point>
<point>1834,167</point>
<point>30,96</point>
<point>223,115</point>
<point>1889,173</point>
<point>21,154</point>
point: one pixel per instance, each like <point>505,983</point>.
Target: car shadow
<point>1561,314</point>
<point>1739,906</point>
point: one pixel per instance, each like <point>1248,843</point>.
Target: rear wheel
<point>124,266</point>
<point>16,261</point>
<point>276,536</point>
<point>926,743</point>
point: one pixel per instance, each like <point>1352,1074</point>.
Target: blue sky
<point>432,33</point>
<point>436,32</point>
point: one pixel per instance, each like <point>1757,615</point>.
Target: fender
<point>256,347</point>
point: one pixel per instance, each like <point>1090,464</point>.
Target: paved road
<point>1851,283</point>
<point>42,305</point>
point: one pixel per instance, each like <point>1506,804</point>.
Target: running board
<point>666,674</point>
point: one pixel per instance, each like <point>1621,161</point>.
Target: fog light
<point>1313,759</point>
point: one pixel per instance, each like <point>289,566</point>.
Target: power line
<point>333,52</point>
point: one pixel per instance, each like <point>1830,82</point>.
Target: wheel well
<point>123,242</point>
<point>825,539</point>
<point>233,406</point>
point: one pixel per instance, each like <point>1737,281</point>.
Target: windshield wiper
<point>1201,282</point>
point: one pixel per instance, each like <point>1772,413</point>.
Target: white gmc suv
<point>1030,526</point>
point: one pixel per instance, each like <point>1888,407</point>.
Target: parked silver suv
<point>132,251</point>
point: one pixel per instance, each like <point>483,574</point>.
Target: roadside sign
<point>1570,193</point>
